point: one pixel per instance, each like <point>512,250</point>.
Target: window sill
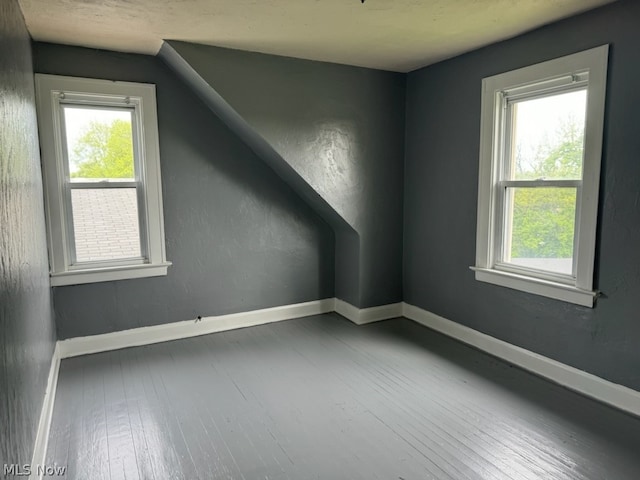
<point>545,288</point>
<point>109,274</point>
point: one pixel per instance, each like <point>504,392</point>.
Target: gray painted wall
<point>332,130</point>
<point>27,332</point>
<point>441,175</point>
<point>238,236</point>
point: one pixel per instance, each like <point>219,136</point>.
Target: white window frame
<point>52,92</point>
<point>584,69</point>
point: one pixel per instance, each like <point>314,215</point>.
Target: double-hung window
<point>541,144</point>
<point>102,179</point>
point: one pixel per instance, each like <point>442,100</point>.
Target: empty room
<point>348,239</point>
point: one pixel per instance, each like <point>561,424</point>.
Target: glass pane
<point>99,144</point>
<point>539,228</point>
<point>105,223</point>
<point>548,137</point>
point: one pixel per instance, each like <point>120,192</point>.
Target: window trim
<point>52,92</point>
<point>549,76</point>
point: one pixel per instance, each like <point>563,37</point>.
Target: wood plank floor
<point>320,398</point>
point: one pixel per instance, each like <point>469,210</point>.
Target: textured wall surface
<point>443,125</point>
<point>238,236</point>
<point>341,129</point>
<point>26,316</point>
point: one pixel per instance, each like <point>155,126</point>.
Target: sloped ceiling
<point>398,35</point>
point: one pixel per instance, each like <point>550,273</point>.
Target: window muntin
<point>102,176</point>
<point>541,143</point>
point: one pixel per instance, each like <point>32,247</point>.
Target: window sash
<point>501,232</point>
<point>578,80</point>
<point>506,123</point>
<point>541,183</point>
<point>74,264</point>
<point>538,273</point>
<point>505,100</point>
<point>103,184</point>
<point>106,102</point>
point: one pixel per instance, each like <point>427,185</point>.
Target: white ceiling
<point>399,35</point>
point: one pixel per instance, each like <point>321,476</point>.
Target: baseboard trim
<point>134,337</point>
<point>46,414</point>
<point>587,384</point>
<point>368,315</point>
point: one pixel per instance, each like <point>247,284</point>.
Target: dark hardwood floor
<point>320,398</point>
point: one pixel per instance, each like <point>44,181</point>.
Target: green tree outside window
<point>105,150</point>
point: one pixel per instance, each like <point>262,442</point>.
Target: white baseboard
<point>587,384</point>
<point>173,331</point>
<point>46,414</point>
<point>368,315</point>
<point>572,378</point>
